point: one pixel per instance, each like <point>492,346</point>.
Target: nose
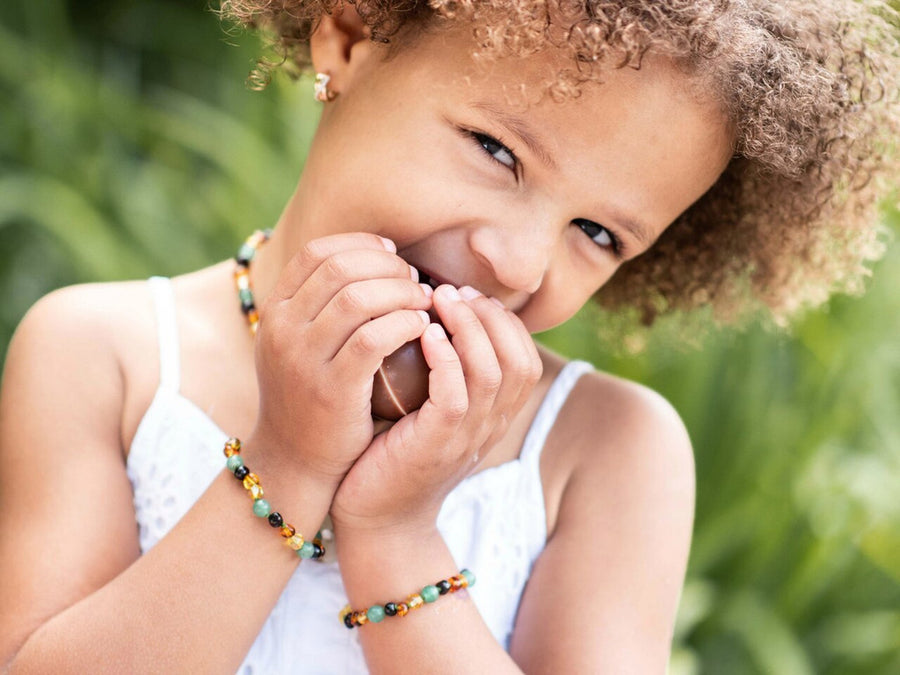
<point>518,255</point>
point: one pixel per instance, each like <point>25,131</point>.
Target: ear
<point>338,42</point>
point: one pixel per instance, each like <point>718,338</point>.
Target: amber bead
<point>390,608</point>
<point>295,541</point>
<point>361,618</point>
<point>232,447</point>
<point>443,586</point>
<point>251,479</point>
<point>275,519</point>
<point>241,472</point>
<point>402,609</point>
<point>456,582</point>
<point>415,601</point>
<point>255,491</point>
<point>287,531</point>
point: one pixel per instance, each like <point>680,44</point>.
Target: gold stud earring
<point>321,90</point>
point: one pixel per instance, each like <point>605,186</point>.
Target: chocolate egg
<point>401,383</point>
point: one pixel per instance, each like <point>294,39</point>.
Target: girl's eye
<point>496,150</point>
<point>599,234</point>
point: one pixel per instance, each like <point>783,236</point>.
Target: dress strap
<point>546,415</point>
<point>167,331</point>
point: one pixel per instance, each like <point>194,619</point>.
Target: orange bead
<point>415,601</point>
<point>255,492</point>
<point>287,531</point>
<point>232,447</point>
<point>251,479</point>
<point>361,619</point>
<point>456,583</point>
<point>402,609</point>
<point>295,542</point>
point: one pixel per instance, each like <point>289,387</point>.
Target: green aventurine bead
<point>246,252</point>
<point>261,508</point>
<point>375,613</point>
<point>234,462</point>
<point>245,295</point>
<point>430,593</point>
<point>469,576</point>
<point>306,551</point>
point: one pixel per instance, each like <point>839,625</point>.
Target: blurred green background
<point>129,146</point>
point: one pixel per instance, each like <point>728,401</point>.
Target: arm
<point>386,508</point>
<point>603,595</point>
<point>75,589</point>
<point>197,600</point>
<point>610,577</point>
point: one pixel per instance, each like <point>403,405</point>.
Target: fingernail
<point>497,302</point>
<point>427,290</point>
<point>451,293</point>
<point>424,316</point>
<point>436,331</point>
<point>413,273</point>
<point>388,244</point>
<point>468,293</point>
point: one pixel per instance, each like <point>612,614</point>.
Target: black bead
<point>247,305</point>
<point>348,619</point>
<point>390,608</point>
<point>443,586</point>
<point>241,472</point>
<point>275,519</point>
<point>318,551</point>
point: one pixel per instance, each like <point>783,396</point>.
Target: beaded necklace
<point>244,256</point>
<point>242,260</point>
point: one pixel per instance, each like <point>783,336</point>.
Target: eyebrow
<point>520,128</point>
<point>637,229</point>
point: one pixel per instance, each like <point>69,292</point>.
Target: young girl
<point>491,165</point>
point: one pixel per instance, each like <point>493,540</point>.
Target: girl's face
<point>534,203</point>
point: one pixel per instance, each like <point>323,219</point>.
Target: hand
<point>477,384</point>
<point>340,306</point>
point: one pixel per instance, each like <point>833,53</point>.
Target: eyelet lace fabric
<point>494,522</point>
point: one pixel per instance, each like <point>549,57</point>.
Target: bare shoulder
<point>623,525</point>
<point>623,426</point>
<point>630,460</point>
<point>84,336</point>
<point>96,314</point>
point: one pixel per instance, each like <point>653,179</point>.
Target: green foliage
<point>132,147</point>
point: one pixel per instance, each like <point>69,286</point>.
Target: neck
<point>272,257</point>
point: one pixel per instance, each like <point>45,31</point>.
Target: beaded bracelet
<point>376,613</point>
<point>261,508</point>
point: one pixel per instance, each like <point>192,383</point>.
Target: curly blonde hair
<point>809,87</point>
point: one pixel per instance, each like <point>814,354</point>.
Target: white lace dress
<point>494,522</point>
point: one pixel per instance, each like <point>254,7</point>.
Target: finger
<point>519,362</point>
<point>359,302</point>
<point>362,354</point>
<point>338,271</point>
<point>315,252</point>
<point>472,344</point>
<point>448,399</point>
